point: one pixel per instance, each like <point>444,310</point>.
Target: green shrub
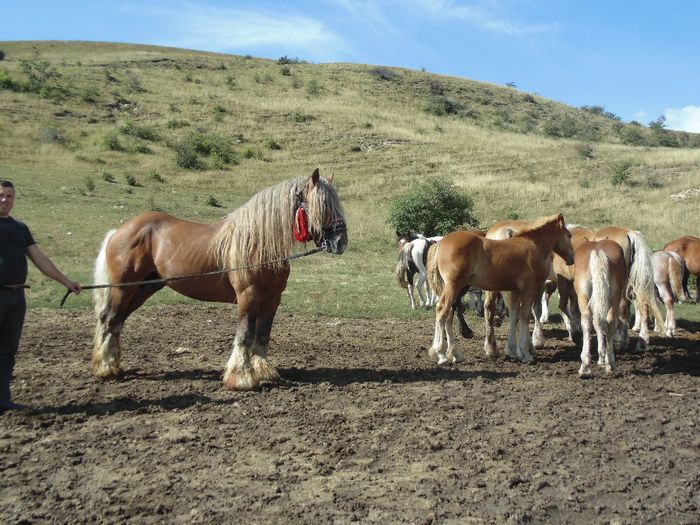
<point>432,207</point>
<point>301,117</point>
<point>2,55</point>
<point>53,136</point>
<point>107,177</point>
<point>585,151</point>
<point>111,141</point>
<point>441,106</point>
<point>155,176</point>
<point>89,184</point>
<point>142,132</point>
<point>186,156</point>
<point>621,172</point>
<point>272,144</point>
<point>177,124</point>
<point>313,88</point>
<point>130,180</point>
<point>382,73</point>
<point>213,201</point>
<point>89,94</point>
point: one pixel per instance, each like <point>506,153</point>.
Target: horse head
<point>325,213</point>
<point>562,244</point>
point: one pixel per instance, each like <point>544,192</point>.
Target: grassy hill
<point>94,133</point>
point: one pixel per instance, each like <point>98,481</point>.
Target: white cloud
<point>201,26</point>
<point>483,17</point>
<point>686,119</point>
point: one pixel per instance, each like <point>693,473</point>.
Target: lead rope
<point>192,276</point>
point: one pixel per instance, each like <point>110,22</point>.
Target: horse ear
<point>330,179</point>
<point>560,218</point>
<point>315,176</point>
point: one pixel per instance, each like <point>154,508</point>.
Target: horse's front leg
<point>537,336</point>
<point>239,373</point>
<point>264,371</point>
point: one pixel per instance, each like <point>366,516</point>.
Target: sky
<point>635,58</point>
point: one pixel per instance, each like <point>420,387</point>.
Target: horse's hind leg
<point>489,313</point>
<point>112,308</point>
<point>443,316</point>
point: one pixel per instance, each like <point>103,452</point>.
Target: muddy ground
<point>363,427</point>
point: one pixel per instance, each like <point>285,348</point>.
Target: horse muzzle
<point>335,238</point>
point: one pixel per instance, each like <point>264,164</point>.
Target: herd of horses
<point>598,275</point>
<point>244,259</point>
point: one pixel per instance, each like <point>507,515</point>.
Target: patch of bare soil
<point>362,427</point>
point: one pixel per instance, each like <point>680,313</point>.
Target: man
<point>16,244</point>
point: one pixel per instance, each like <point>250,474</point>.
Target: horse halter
<point>303,233</point>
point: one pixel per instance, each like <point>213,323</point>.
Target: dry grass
<point>375,136</point>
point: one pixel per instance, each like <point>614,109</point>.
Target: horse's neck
<point>543,237</point>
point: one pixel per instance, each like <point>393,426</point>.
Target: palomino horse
<point>518,265</point>
<point>600,282</point>
<point>262,232</point>
<point>411,261</point>
<point>640,277</point>
<point>475,300</point>
<point>505,230</point>
<point>669,270</point>
<point>564,275</point>
<point>688,247</point>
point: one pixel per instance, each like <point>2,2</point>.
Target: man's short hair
<point>6,184</point>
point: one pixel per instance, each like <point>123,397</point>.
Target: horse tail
<point>434,277</point>
<point>402,264</point>
<point>641,277</point>
<point>101,276</point>
<point>599,302</point>
<point>676,269</point>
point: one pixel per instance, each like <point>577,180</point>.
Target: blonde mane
<point>261,229</point>
<point>537,225</point>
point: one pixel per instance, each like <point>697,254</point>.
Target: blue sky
<point>636,58</point>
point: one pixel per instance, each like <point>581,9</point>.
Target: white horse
<point>412,260</point>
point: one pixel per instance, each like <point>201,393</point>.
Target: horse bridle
<point>333,229</point>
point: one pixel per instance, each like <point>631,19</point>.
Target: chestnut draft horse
<point>688,247</point>
<point>262,232</point>
<point>669,270</point>
<point>505,230</point>
<point>640,278</point>
<point>518,265</point>
<point>600,282</point>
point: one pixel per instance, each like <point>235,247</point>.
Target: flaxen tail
<point>101,295</point>
<point>599,302</point>
<point>676,269</point>
<point>641,277</point>
<point>434,277</point>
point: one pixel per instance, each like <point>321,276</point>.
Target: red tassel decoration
<point>301,226</point>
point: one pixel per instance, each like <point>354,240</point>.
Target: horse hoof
<point>443,361</point>
<point>467,334</point>
<point>240,381</point>
<point>107,372</point>
<point>585,374</point>
<point>527,360</point>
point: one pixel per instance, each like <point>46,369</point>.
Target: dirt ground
<point>363,427</point>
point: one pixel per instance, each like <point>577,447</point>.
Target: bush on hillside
<point>432,207</point>
<point>2,55</point>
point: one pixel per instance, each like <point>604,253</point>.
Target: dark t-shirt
<point>15,237</point>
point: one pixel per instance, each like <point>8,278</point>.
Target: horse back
<point>157,245</point>
<point>688,247</point>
